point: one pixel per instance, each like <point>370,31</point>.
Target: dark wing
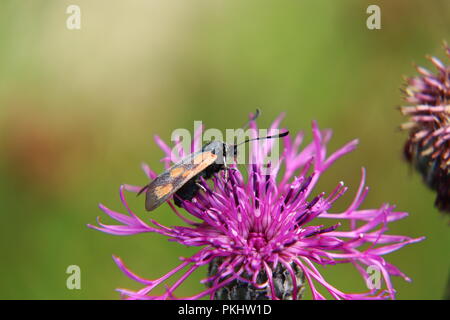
<point>167,183</point>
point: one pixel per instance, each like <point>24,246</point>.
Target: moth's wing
<point>167,183</point>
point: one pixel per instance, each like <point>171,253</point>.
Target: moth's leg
<point>177,200</point>
<point>186,192</point>
<point>201,186</point>
<point>226,168</point>
<point>227,172</point>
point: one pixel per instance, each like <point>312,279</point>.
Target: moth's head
<point>215,147</point>
<point>230,150</point>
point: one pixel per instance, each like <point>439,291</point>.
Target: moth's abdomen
<point>186,192</point>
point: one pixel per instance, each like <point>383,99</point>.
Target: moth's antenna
<point>281,135</point>
<point>255,116</point>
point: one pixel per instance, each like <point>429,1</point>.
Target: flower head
<point>266,232</point>
<point>428,144</point>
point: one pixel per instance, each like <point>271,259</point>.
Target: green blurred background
<point>79,108</point>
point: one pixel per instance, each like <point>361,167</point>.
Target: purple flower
<point>428,144</point>
<point>252,228</point>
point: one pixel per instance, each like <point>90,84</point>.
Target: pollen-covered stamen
<point>310,212</point>
<point>299,195</point>
<point>320,230</point>
<point>337,193</point>
<point>287,197</point>
<point>256,185</point>
<point>270,185</point>
<point>232,188</point>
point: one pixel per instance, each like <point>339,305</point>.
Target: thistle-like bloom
<point>428,145</point>
<point>268,235</point>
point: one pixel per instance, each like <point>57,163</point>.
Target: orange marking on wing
<point>198,159</point>
<point>187,173</point>
<point>201,162</point>
<point>176,172</point>
<point>204,156</point>
<point>161,191</point>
